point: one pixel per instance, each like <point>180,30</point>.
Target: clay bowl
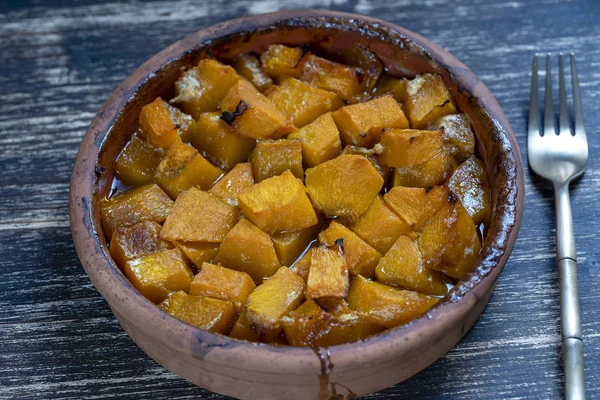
<point>257,371</point>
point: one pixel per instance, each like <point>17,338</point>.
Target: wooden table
<point>61,59</point>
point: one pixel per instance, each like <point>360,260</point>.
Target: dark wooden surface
<point>59,60</point>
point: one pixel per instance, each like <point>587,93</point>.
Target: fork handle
<point>572,344</point>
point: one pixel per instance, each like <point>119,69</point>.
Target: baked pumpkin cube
<point>343,187</point>
<point>199,216</point>
<point>158,125</point>
<point>183,167</point>
<point>471,185</point>
<point>280,294</point>
<point>278,204</point>
<point>136,241</point>
<point>217,141</point>
<point>248,249</point>
<point>248,66</point>
<point>281,61</point>
<point>379,226</point>
<point>137,162</point>
<point>144,203</point>
<point>290,245</point>
<point>252,114</point>
<point>449,243</point>
<point>302,266</point>
<point>458,136</point>
<point>367,61</point>
<point>207,313</point>
<point>405,148</point>
<point>222,283</point>
<point>403,266</point>
<point>385,305</point>
<point>393,86</point>
<point>302,103</point>
<point>416,206</point>
<point>427,99</point>
<point>238,180</point>
<point>182,120</point>
<point>158,274</point>
<point>372,155</point>
<point>347,82</point>
<point>433,172</point>
<point>274,157</point>
<point>320,140</point>
<point>199,252</point>
<point>202,88</point>
<point>302,326</point>
<point>243,331</point>
<point>361,124</point>
<point>361,258</point>
<point>328,275</point>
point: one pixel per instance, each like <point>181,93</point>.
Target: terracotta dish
<point>258,371</point>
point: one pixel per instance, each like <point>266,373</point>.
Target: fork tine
<point>533,127</point>
<point>563,117</point>
<point>548,111</point>
<point>577,109</point>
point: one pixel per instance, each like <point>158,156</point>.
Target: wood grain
<point>59,60</point>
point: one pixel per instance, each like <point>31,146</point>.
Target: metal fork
<point>561,157</point>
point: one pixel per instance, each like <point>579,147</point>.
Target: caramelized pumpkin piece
<point>136,241</point>
<point>183,167</point>
<point>402,266</point>
<point>302,326</point>
<point>328,275</point>
<point>379,226</point>
<point>144,203</point>
<point>274,157</point>
<point>158,274</point>
<point>394,86</point>
<point>217,141</point>
<point>361,258</point>
<point>345,81</point>
<point>202,88</point>
<point>458,136</point>
<point>434,172</point>
<point>405,148</point>
<point>248,66</point>
<point>199,216</point>
<point>385,305</point>
<point>320,140</point>
<point>280,294</point>
<point>199,252</point>
<point>203,312</point>
<point>243,331</point>
<point>278,204</point>
<point>372,155</point>
<point>280,61</point>
<point>302,103</point>
<point>367,61</point>
<point>302,266</point>
<point>252,114</point>
<point>238,180</point>
<point>248,249</point>
<point>449,243</point>
<point>416,206</point>
<point>471,185</point>
<point>158,125</point>
<point>137,162</point>
<point>289,245</point>
<point>344,186</point>
<point>222,283</point>
<point>427,99</point>
<point>361,124</point>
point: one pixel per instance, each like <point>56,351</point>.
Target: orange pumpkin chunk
<point>361,258</point>
<point>280,61</point>
<point>328,276</point>
<point>199,252</point>
<point>278,204</point>
<point>248,249</point>
<point>238,180</point>
<point>183,167</point>
<point>405,148</point>
<point>157,123</point>
<point>158,274</point>
<point>248,66</point>
<point>372,155</point>
<point>199,216</point>
<point>345,81</point>
<point>136,241</point>
<point>202,88</point>
<point>427,99</point>
<point>222,283</point>
<point>144,203</point>
<point>203,312</point>
<point>320,140</point>
<point>471,185</point>
<point>302,326</point>
<point>361,124</point>
<point>289,245</point>
<point>302,103</point>
<point>458,136</point>
<point>274,157</point>
<point>137,162</point>
<point>344,186</point>
<point>393,86</point>
<point>243,331</point>
<point>359,56</point>
<point>416,206</point>
<point>385,305</point>
<point>217,141</point>
<point>402,266</point>
<point>302,266</point>
<point>429,173</point>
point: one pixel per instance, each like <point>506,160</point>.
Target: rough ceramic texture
<point>256,371</point>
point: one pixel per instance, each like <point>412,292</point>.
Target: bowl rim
<point>215,348</point>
